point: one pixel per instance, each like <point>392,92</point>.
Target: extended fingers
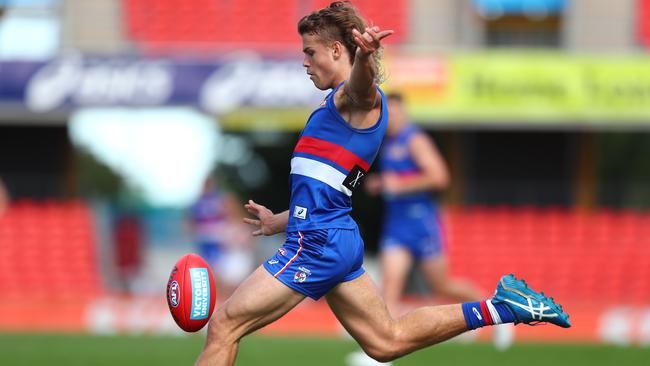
<point>253,207</point>
<point>371,38</point>
<point>252,221</point>
<point>377,34</point>
<point>363,44</point>
<point>364,38</point>
<point>369,35</point>
<point>252,211</point>
<point>383,34</point>
<point>358,37</point>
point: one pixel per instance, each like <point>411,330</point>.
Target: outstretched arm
<point>360,88</point>
<point>269,223</point>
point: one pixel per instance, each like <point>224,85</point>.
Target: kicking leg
<point>359,307</point>
<point>258,301</point>
<point>363,313</point>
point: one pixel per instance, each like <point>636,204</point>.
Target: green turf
<point>86,350</point>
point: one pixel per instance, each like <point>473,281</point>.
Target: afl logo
<point>174,295</point>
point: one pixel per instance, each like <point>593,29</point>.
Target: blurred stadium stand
<point>267,25</point>
<point>578,256</point>
<point>643,20</point>
<point>48,252</point>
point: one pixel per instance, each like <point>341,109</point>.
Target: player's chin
<point>320,86</point>
<point>316,82</point>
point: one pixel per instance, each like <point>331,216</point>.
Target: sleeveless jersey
<point>208,215</point>
<point>329,162</point>
<point>396,158</point>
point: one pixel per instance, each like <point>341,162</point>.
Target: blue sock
<point>481,313</point>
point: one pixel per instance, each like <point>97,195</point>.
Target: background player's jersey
<point>328,164</point>
<point>208,216</point>
<point>410,219</point>
<point>396,158</point>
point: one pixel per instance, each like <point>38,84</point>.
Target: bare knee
<point>384,348</point>
<point>382,353</point>
<point>222,329</point>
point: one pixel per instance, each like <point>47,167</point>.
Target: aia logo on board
<point>174,294</point>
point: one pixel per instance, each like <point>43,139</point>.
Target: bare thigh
<point>365,316</point>
<point>258,301</point>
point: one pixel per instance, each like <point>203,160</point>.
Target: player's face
<point>319,61</point>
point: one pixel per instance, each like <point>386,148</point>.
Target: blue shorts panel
<point>315,261</point>
<point>423,238</point>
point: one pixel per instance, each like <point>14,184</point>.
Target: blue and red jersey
<point>411,219</point>
<point>209,217</point>
<point>329,162</point>
<point>396,158</point>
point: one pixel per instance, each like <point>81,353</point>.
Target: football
<point>191,293</point>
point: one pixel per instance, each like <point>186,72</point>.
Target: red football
<point>191,293</point>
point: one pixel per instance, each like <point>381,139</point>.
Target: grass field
<point>86,350</point>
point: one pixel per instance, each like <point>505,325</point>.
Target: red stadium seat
<point>47,251</point>
<point>268,24</point>
<point>603,256</point>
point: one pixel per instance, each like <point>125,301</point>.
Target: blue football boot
<point>527,305</point>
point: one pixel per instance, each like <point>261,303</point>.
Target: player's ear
<point>337,50</point>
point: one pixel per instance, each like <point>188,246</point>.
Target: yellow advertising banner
<point>523,88</point>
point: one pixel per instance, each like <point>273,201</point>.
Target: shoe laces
<point>544,297</point>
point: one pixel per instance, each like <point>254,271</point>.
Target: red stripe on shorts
<point>292,258</point>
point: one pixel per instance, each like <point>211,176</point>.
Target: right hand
<point>370,40</point>
<point>265,221</point>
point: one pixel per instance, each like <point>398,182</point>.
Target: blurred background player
<point>222,239</point>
